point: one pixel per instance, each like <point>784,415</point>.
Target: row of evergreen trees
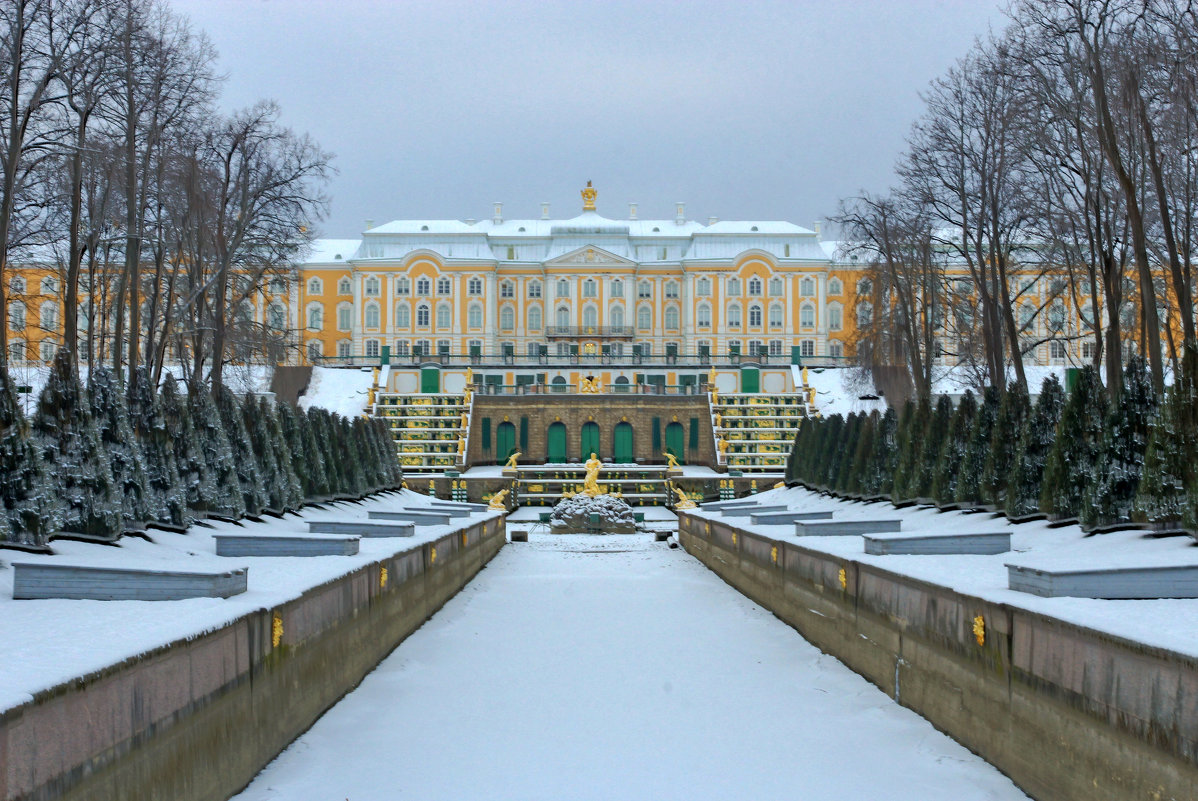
<point>1076,455</point>
<point>116,456</point>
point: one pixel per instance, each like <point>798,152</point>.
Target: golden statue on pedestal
<point>588,197</point>
<point>590,484</point>
<point>683,502</point>
<point>511,460</point>
<point>671,461</point>
<point>497,501</point>
<point>589,386</point>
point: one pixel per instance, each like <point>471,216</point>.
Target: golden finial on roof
<point>588,197</point>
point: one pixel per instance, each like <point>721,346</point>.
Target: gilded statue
<point>465,421</point>
<point>683,502</point>
<point>511,460</point>
<point>497,501</point>
<point>719,420</point>
<point>461,446</point>
<point>590,484</point>
<point>590,385</point>
<point>588,197</point>
<point>722,444</point>
<point>671,461</point>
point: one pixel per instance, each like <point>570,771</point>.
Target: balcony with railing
<point>592,331</point>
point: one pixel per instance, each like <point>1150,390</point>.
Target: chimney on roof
<point>632,211</point>
<point>712,220</point>
<point>544,211</point>
<point>369,224</point>
<point>817,227</point>
<point>498,218</point>
<point>681,218</point>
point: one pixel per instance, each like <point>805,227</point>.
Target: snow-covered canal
<point>617,668</point>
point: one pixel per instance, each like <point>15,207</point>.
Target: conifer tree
<point>390,454</point>
<point>150,427</point>
<point>29,513</point>
<point>829,448</point>
<point>292,432</point>
<point>1070,466</point>
<point>910,434</point>
<point>880,479</point>
<point>139,502</point>
<point>969,489</point>
<point>859,470</point>
<point>245,464</point>
<point>290,490</point>
<point>355,474</point>
<point>929,451</point>
<point>264,459</point>
<point>1013,412</point>
<point>220,494</point>
<point>952,450</point>
<point>323,434</point>
<point>1166,495</point>
<point>845,451</point>
<point>69,445</point>
<point>1027,474</point>
<point>1112,491</point>
<point>314,458</point>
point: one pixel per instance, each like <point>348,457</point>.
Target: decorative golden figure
<point>588,197</point>
<point>780,485</point>
<point>466,396</point>
<point>590,484</point>
<point>671,461</point>
<point>722,444</point>
<point>511,460</point>
<point>465,421</point>
<point>683,502</point>
<point>715,396</point>
<point>497,501</point>
<point>589,386</point>
<point>469,376</point>
<point>719,420</point>
<point>711,377</point>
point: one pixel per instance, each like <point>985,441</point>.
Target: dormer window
<point>753,229</point>
<point>424,228</point>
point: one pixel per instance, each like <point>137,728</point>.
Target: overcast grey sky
<point>744,110</point>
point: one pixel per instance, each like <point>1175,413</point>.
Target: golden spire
<point>588,197</point>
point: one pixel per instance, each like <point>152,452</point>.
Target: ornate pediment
<point>589,256</point>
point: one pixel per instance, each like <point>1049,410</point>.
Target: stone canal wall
<point>196,719</point>
<point>1065,711</point>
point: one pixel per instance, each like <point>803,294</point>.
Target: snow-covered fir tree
<point>929,451</point>
<point>69,445</point>
<point>139,501</point>
<point>828,459</point>
<point>149,422</point>
<point>314,457</point>
<point>253,496</point>
<point>969,485</point>
<point>325,437</point>
<point>1027,473</point>
<point>31,515</point>
<point>952,450</point>
<point>221,494</point>
<point>1167,492</point>
<point>910,433</point>
<point>880,479</point>
<point>845,451</point>
<point>863,453</point>
<point>390,454</point>
<point>1070,466</point>
<point>1013,411</point>
<point>285,487</point>
<point>1111,493</point>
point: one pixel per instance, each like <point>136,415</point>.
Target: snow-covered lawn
<point>47,642</point>
<point>578,667</point>
<point>1167,623</point>
<point>342,390</point>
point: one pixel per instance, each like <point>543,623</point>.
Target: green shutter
<point>656,435</point>
<point>486,434</point>
<point>524,434</point>
<point>694,443</point>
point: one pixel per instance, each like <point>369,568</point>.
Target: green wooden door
<point>589,441</point>
<point>505,441</point>
<point>622,444</point>
<point>750,379</point>
<point>556,450</point>
<point>430,380</point>
<point>676,441</point>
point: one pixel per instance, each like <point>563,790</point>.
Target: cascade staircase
<point>426,429</point>
<point>638,484</point>
<point>760,428</point>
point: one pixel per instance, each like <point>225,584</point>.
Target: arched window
<point>671,288</point>
<point>315,286</point>
<point>344,317</point>
<point>315,350</point>
<point>563,288</point>
<point>422,316</point>
<point>590,317</point>
<point>865,314</point>
<point>590,289</point>
<point>807,315</point>
<point>1087,317</point>
<point>474,286</point>
<point>276,317</point>
<point>534,318</point>
<point>50,285</point>
<point>372,287</point>
<point>443,316</point>
<point>703,315</point>
<point>17,287</point>
<point>47,350</point>
<point>734,287</point>
<point>754,286</point>
<point>807,287</point>
<point>444,285</point>
<point>507,289</point>
<point>775,315</point>
<point>343,349</point>
<point>16,315</point>
<point>403,286</point>
<point>534,289</point>
<point>835,287</point>
<point>423,287</point>
<point>672,318</point>
<point>835,317</point>
<point>507,318</point>
<point>474,316</point>
<point>403,316</point>
<point>755,315</point>
<point>277,286</point>
<point>562,317</point>
<point>343,287</point>
<point>372,316</point>
<point>644,290</point>
<point>864,287</point>
<point>644,318</point>
<point>49,316</point>
<point>703,287</point>
<point>617,316</point>
<point>734,316</point>
<point>617,288</point>
<point>775,286</point>
<point>835,349</point>
<point>1056,317</point>
<point>1027,316</point>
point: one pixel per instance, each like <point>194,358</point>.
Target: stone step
<point>840,528</point>
<point>363,528</point>
<point>285,545</point>
<point>938,543</point>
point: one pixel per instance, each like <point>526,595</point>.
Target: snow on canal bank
<point>577,667</point>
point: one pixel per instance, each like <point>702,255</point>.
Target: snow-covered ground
<point>47,642</point>
<point>578,667</point>
<point>340,390</point>
<point>1167,623</point>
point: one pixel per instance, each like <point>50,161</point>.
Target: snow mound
<point>573,515</point>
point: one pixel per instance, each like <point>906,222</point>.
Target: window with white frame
<point>835,317</point>
<point>315,350</point>
<point>1056,349</point>
<point>403,315</point>
<point>775,347</point>
<point>864,287</point>
<point>507,318</point>
<point>534,349</point>
<point>1089,349</point>
<point>807,287</point>
<point>672,318</point>
<point>1027,317</point>
<point>734,287</point>
<point>534,318</point>
<point>17,287</point>
<point>755,286</point>
<point>403,286</point>
<point>562,317</point>
<point>49,316</point>
<point>372,287</point>
<point>703,287</point>
<point>443,346</point>
<point>644,318</point>
<point>590,289</point>
<point>49,285</point>
<point>372,316</point>
<point>507,289</point>
<point>423,315</point>
<point>402,347</point>
<point>344,349</point>
<point>646,348</point>
<point>47,349</point>
<point>344,317</point>
<point>474,286</point>
<point>703,315</point>
<point>807,348</point>
<point>775,287</point>
<point>590,318</point>
<point>474,316</point>
<point>807,316</point>
<point>372,349</point>
<point>671,289</point>
<point>277,286</point>
<point>444,316</point>
<point>315,286</point>
<point>835,348</point>
<point>734,316</point>
<point>1056,317</point>
<point>755,347</point>
<point>775,315</point>
<point>17,350</point>
<point>344,287</point>
<point>616,316</point>
<point>276,317</point>
<point>534,289</point>
<point>865,314</point>
<point>563,288</point>
<point>835,287</point>
<point>617,288</point>
<point>16,315</point>
<point>644,290</point>
<point>444,286</point>
<point>424,287</point>
<point>755,315</point>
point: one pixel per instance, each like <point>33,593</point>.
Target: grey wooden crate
<point>283,545</point>
<point>953,543</point>
<point>776,518</point>
<point>123,584</point>
<point>745,511</point>
<point>1166,581</point>
<point>841,528</point>
<point>363,528</point>
<point>423,518</point>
